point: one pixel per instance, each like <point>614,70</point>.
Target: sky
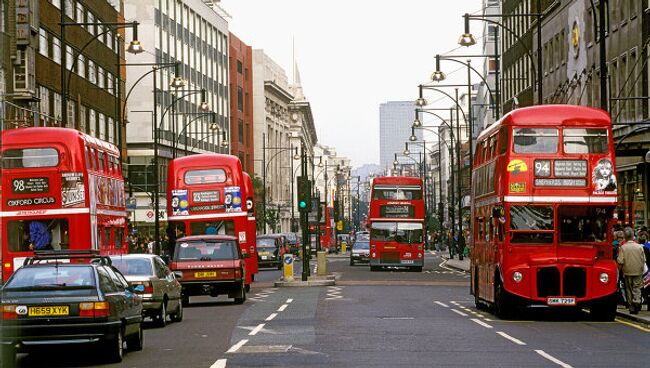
<point>354,55</point>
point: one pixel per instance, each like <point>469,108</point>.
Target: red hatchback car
<point>209,265</point>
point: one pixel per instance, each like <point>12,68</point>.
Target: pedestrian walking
<point>632,259</point>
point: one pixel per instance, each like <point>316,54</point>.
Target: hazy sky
<point>354,55</point>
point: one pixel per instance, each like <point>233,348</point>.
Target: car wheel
<point>280,266</point>
<point>242,295</point>
<point>136,342</point>
<point>8,356</point>
<point>161,316</point>
<point>351,262</point>
<point>115,348</point>
<point>178,315</point>
<point>185,300</point>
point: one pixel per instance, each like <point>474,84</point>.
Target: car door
<point>132,303</point>
<point>158,280</point>
<point>111,292</point>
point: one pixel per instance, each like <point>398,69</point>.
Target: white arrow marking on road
<point>552,359</point>
<point>221,363</point>
<point>238,345</point>
<point>481,322</point>
<point>441,304</point>
<point>459,312</point>
<point>515,340</point>
<point>283,307</point>
<point>273,315</point>
<point>289,301</point>
<point>256,329</point>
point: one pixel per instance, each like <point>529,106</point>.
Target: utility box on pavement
<point>288,267</point>
<point>322,263</point>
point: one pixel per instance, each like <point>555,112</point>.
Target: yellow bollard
<point>344,247</point>
<point>288,267</point>
<point>322,263</point>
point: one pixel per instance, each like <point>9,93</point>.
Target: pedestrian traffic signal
<point>304,194</point>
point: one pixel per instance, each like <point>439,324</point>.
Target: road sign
<point>149,214</point>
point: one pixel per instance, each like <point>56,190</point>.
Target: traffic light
<point>304,194</point>
<point>336,210</point>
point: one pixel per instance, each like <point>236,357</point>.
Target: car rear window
<point>206,251</point>
<point>59,277</point>
<point>266,242</point>
<point>133,266</point>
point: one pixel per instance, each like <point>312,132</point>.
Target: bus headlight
<point>517,276</point>
<point>604,277</point>
<point>374,255</point>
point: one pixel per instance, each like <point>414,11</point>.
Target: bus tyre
<point>8,356</point>
<point>136,341</point>
<point>604,310</point>
<point>178,315</point>
<point>416,269</point>
<point>115,348</point>
<point>502,302</point>
<point>374,268</point>
<point>161,316</point>
<point>242,295</point>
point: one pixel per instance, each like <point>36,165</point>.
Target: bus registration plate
<point>407,261</point>
<point>560,301</point>
<point>202,275</point>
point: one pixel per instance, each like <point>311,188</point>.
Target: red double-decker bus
<point>207,194</point>
<point>251,230</point>
<point>544,193</point>
<point>63,190</point>
<point>396,223</point>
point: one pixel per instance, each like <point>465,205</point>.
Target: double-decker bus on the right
<point>544,193</point>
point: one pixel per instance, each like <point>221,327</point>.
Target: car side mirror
<point>139,288</point>
<point>178,274</point>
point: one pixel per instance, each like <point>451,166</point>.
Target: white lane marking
<point>552,359</point>
<point>257,329</point>
<point>481,322</point>
<point>455,303</point>
<point>289,301</point>
<point>441,304</point>
<point>458,312</point>
<point>221,363</point>
<point>513,339</point>
<point>283,307</point>
<point>238,345</point>
<point>270,317</point>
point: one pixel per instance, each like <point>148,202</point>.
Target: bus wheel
<point>416,269</point>
<point>502,302</point>
<point>374,268</point>
<point>604,310</point>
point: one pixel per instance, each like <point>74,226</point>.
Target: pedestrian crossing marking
<point>334,292</point>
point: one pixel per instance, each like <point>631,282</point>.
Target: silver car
<point>162,292</point>
<point>360,252</point>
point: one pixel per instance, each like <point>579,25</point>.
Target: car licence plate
<point>264,257</point>
<point>202,275</point>
<point>407,261</point>
<point>48,311</point>
<point>560,301</point>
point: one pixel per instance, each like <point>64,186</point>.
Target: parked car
<point>269,251</point>
<point>209,265</point>
<point>162,292</point>
<point>73,298</point>
<point>293,242</point>
<point>360,252</point>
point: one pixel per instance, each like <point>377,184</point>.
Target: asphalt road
<point>381,319</point>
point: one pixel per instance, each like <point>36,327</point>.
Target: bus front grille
<point>574,282</point>
<point>390,257</point>
<point>548,282</point>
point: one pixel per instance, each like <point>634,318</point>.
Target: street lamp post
<point>264,170</point>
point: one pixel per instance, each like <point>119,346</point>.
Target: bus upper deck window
<point>30,158</point>
<point>581,140</point>
<point>535,140</point>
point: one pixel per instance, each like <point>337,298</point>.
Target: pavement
<point>622,312</point>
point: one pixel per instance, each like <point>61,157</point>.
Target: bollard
<point>288,267</point>
<point>344,247</point>
<point>322,263</point>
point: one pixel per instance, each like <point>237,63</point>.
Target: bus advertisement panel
<point>207,195</point>
<point>396,223</point>
<point>63,190</point>
<point>544,194</point>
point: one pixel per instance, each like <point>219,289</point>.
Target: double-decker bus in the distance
<point>396,223</point>
<point>207,195</point>
<point>544,192</point>
<point>323,225</point>
<point>62,190</point>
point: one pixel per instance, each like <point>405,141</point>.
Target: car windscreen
<point>52,277</point>
<point>361,245</point>
<point>199,250</point>
<point>265,242</point>
<point>133,266</point>
<point>291,238</point>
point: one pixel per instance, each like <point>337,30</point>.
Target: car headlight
<point>517,276</point>
<point>604,277</point>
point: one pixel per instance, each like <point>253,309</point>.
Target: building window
<point>56,50</point>
<point>92,72</point>
<point>239,66</point>
<point>56,100</point>
<point>102,126</point>
<point>240,99</point>
<point>69,57</point>
<point>69,9</point>
<point>81,66</point>
<point>80,13</point>
<point>71,110</point>
<point>111,130</point>
<point>92,123</point>
<point>43,48</point>
<point>83,119</point>
<point>240,129</point>
<point>44,102</point>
